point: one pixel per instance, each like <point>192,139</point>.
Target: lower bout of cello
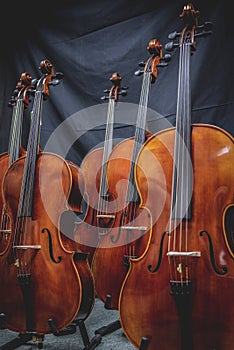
<point>153,312</point>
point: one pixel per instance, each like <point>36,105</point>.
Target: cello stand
<point>111,327</point>
<point>144,343</point>
<point>89,344</point>
<point>21,340</point>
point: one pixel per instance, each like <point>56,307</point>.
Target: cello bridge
<point>137,228</point>
<point>174,253</point>
<point>5,231</point>
<point>105,216</point>
<point>24,247</point>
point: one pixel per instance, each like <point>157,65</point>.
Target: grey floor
<point>99,317</point>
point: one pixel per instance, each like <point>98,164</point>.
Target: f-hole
<point>51,247</point>
<point>229,227</point>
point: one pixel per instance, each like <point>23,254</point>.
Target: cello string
<point>26,186</point>
<point>188,153</point>
<point>31,174</point>
<point>19,122</point>
<point>17,231</point>
<point>108,148</point>
<point>12,131</point>
<point>182,163</point>
<point>175,173</point>
<point>179,169</point>
<point>131,200</point>
<point>13,148</point>
<point>11,145</point>
<point>102,187</point>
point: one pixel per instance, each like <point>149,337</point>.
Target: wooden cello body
<point>177,295</point>
<point>127,237</point>
<point>151,305</point>
<point>43,279</point>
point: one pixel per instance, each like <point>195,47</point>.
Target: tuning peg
<point>54,82</point>
<point>123,91</point>
<point>170,46</point>
<point>58,75</point>
<point>173,35</point>
<point>34,82</point>
<point>163,64</point>
<point>104,98</point>
<point>203,33</point>
<point>163,60</point>
<point>166,57</point>
<point>11,103</point>
<point>31,92</point>
<point>206,26</point>
<point>139,72</point>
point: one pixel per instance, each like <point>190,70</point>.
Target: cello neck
<point>132,193</point>
<point>182,168</point>
<point>26,195</point>
<point>114,92</point>
<point>15,132</point>
<point>149,76</point>
<point>42,90</point>
<point>19,103</point>
<point>108,145</point>
<point>182,179</point>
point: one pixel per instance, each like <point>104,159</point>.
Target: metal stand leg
<point>21,340</point>
<point>89,344</point>
<point>111,327</point>
<point>144,343</point>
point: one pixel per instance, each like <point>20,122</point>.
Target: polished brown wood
<point>147,306</point>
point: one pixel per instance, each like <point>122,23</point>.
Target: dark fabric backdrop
<point>88,41</point>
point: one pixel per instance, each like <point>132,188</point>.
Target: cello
<point>41,285</point>
<point>97,219</point>
<point>19,101</point>
<point>127,237</point>
<point>178,294</point>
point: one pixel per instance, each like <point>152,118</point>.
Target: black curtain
<point>89,40</point>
